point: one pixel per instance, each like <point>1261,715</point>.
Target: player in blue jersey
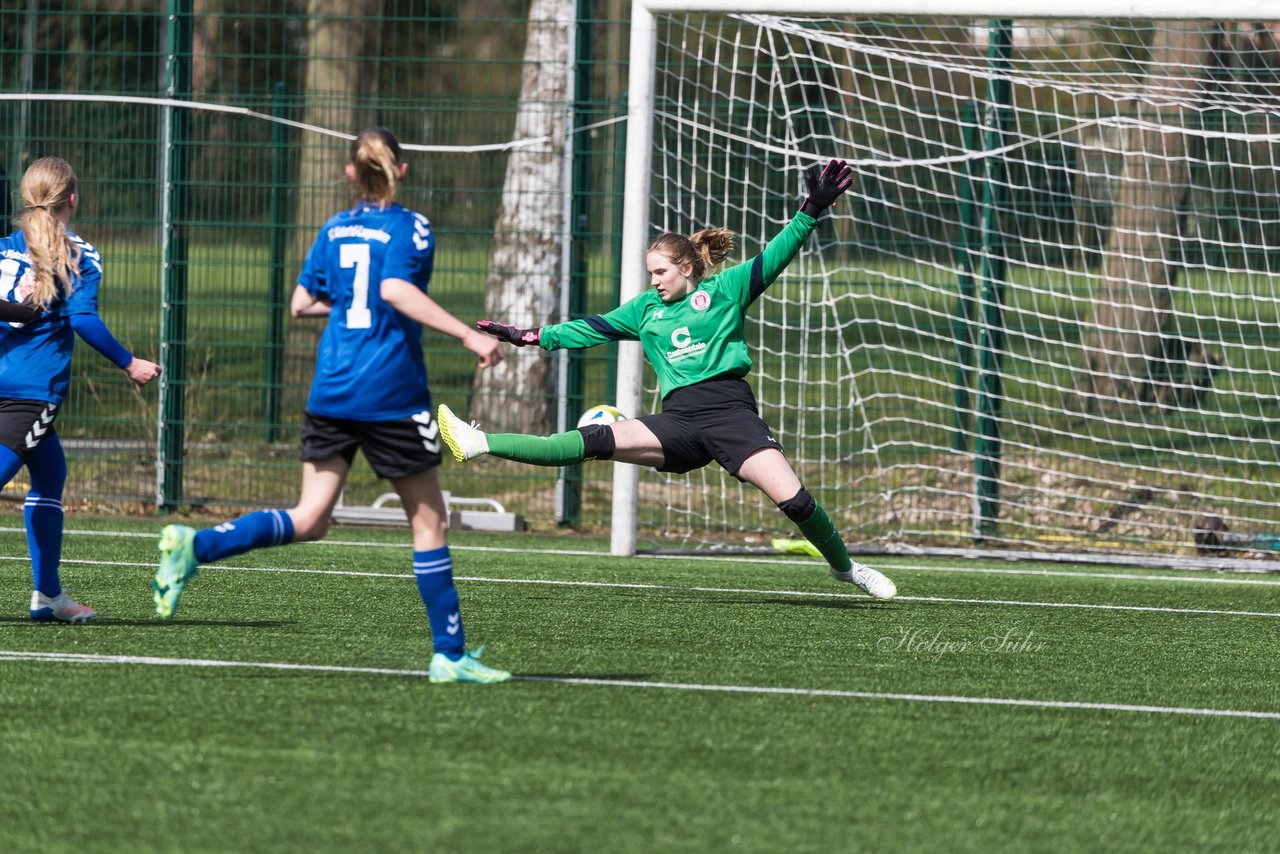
<point>691,328</point>
<point>49,281</point>
<point>367,274</point>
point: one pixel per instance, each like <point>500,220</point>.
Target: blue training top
<point>35,358</point>
<point>369,363</point>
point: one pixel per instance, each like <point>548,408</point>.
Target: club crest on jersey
<point>701,301</point>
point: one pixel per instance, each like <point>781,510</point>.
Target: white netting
<point>1049,313</point>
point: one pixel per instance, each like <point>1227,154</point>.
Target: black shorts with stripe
<point>24,424</point>
<point>394,449</point>
<point>717,419</point>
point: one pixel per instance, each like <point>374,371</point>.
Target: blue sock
<point>44,538</point>
<point>433,571</point>
<point>254,531</point>
<point>42,512</point>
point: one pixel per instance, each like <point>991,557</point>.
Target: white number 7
<point>357,255</point>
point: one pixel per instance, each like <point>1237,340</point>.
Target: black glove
<point>511,334</point>
<point>825,186</point>
<point>17,312</point>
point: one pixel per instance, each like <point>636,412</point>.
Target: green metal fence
<point>202,215</point>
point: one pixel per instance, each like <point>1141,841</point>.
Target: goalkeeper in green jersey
<point>691,327</point>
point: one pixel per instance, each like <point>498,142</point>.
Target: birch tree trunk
<point>341,35</point>
<point>1142,257</point>
<point>523,283</point>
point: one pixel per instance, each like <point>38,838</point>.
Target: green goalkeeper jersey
<point>699,336</point>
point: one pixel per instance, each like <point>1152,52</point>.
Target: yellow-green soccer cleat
<point>465,440</point>
<point>465,669</point>
<point>177,567</point>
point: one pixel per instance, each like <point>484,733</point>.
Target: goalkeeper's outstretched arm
<point>825,187</point>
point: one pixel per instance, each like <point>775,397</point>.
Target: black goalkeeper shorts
<point>717,419</point>
<point>394,449</point>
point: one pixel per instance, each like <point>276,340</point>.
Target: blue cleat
<point>177,567</point>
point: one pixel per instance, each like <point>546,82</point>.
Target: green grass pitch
<point>660,705</point>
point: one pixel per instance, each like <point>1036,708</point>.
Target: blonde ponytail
<point>47,188</point>
<point>375,157</point>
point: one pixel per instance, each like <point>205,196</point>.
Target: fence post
<point>173,288</point>
<point>992,282</point>
<point>968,239</point>
<point>579,221</point>
<point>277,295</point>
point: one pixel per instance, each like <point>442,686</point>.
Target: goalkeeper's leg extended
<point>819,530</point>
<point>467,441</point>
<point>769,471</point>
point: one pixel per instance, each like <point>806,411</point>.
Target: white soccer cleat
<point>63,608</point>
<point>466,441</point>
<point>875,583</point>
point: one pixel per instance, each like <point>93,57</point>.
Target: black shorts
<point>24,424</point>
<point>393,448</point>
<point>713,420</point>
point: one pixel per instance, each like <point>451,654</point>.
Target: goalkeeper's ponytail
<point>702,251</point>
<point>714,245</point>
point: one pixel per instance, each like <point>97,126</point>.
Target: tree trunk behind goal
<point>340,38</point>
<point>523,283</point>
<point>1143,256</point>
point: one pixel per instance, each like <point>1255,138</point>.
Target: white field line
<point>697,589</point>
<point>84,658</point>
<point>754,560</point>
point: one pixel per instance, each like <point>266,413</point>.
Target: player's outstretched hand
<point>511,334</point>
<point>141,371</point>
<point>825,186</point>
<point>488,351</point>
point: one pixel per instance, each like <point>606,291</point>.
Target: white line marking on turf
<point>695,589</point>
<point>86,658</point>
<point>765,561</point>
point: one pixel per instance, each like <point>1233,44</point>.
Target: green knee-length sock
<point>819,530</point>
<point>557,450</point>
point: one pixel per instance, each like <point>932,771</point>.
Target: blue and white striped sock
<point>253,531</point>
<point>44,538</point>
<point>433,570</point>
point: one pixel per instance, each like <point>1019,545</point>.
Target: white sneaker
<point>465,440</point>
<point>875,583</point>
<point>62,608</point>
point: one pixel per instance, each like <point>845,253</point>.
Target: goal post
<point>1046,317</point>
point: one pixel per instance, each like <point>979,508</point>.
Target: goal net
<point>1047,316</point>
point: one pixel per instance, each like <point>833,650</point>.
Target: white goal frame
<point>639,150</point>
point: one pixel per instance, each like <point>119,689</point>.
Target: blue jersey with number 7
<point>369,363</point>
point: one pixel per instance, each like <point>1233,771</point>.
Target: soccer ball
<point>602,414</point>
